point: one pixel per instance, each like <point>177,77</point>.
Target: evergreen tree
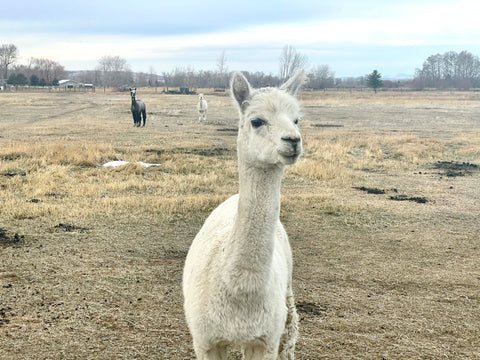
<point>373,80</point>
<point>12,79</point>
<point>21,79</point>
<point>34,80</point>
<point>17,79</point>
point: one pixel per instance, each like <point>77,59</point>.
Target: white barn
<point>70,84</point>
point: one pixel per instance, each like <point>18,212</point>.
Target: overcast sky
<point>352,37</point>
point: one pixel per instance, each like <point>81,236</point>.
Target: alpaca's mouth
<point>290,152</point>
<point>290,157</point>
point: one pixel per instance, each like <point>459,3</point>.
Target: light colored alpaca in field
<point>237,280</point>
<point>202,108</point>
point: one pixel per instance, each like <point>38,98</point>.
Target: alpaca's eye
<point>296,121</point>
<point>256,123</point>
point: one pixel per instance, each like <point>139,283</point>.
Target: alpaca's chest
<point>248,318</point>
<point>137,106</point>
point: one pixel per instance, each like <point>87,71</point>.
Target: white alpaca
<point>237,280</point>
<point>202,108</point>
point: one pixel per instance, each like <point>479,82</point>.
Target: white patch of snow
<point>117,163</point>
<point>147,164</point>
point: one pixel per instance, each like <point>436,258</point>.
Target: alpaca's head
<point>133,92</point>
<point>268,133</point>
<point>200,97</point>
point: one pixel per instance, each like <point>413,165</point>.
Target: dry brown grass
<point>91,257</point>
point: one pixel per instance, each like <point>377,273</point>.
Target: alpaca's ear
<point>294,83</point>
<point>241,90</point>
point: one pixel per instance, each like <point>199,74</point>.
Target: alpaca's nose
<point>294,140</point>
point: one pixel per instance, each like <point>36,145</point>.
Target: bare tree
<point>448,66</point>
<point>117,64</point>
<point>8,56</point>
<point>87,77</point>
<point>49,70</point>
<point>166,79</point>
<point>152,77</point>
<point>291,61</point>
<point>222,63</point>
<point>115,71</point>
<point>321,77</point>
<point>44,69</point>
<point>104,66</point>
<point>460,70</point>
<point>222,70</point>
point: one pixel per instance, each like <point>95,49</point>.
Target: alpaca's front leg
<point>216,353</point>
<point>260,352</point>
<point>289,337</point>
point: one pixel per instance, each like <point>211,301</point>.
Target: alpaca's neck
<point>253,238</point>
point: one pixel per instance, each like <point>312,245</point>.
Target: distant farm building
<point>182,90</point>
<point>72,84</point>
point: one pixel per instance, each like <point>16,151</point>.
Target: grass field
<point>382,212</point>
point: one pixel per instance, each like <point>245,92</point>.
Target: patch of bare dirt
<point>6,240</point>
<point>233,131</point>
<point>396,197</point>
<point>3,312</point>
<point>69,227</point>
<point>309,308</point>
<point>12,173</point>
<point>328,125</point>
<point>417,199</point>
<point>208,152</point>
<point>368,190</point>
<point>455,169</point>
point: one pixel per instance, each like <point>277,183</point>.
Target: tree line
<point>37,71</point>
<point>114,71</point>
<point>450,70</point>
